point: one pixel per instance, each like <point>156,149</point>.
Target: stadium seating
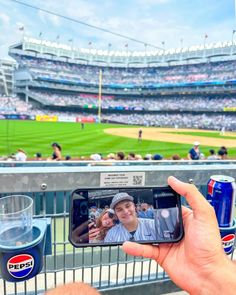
<point>62,85</point>
<point>62,71</point>
<point>157,103</point>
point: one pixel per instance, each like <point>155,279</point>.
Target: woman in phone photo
<point>99,228</point>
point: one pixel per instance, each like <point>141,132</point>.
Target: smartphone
<point>102,217</point>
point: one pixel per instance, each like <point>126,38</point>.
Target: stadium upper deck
<point>61,52</point>
<point>56,77</point>
<point>43,63</point>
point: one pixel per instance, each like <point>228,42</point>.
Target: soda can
<point>221,195</point>
<point>228,238</point>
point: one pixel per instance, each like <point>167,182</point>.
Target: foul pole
<point>100,96</point>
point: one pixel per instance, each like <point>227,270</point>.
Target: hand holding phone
<point>146,215</point>
<point>93,232</point>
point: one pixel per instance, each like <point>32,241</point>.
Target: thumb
<point>200,206</point>
<point>146,251</point>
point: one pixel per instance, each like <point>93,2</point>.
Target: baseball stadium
<point>92,139</point>
<point>175,97</point>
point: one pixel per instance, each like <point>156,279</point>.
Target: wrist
<point>222,280</point>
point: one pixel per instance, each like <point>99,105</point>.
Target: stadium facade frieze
<point>63,52</point>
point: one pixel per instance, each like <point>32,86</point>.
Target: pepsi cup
<point>228,237</point>
<point>16,214</point>
<point>22,262</point>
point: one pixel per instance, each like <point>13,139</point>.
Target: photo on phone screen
<point>112,216</point>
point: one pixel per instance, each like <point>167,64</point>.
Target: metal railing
<point>103,267</point>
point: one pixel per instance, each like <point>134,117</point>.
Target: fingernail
<point>172,178</point>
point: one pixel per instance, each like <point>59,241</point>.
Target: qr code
<point>137,180</point>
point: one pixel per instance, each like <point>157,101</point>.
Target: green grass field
<point>36,137</point>
<point>213,134</point>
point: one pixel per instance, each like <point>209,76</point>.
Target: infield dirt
<point>162,134</point>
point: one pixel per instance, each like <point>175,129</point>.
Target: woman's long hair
<point>104,230</point>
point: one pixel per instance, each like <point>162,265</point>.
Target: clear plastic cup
<point>16,213</point>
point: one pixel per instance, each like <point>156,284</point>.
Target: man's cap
<point>138,157</point>
<point>221,152</point>
<point>148,157</point>
<point>196,143</point>
<point>111,156</point>
<point>119,198</point>
<point>157,157</point>
<point>95,157</point>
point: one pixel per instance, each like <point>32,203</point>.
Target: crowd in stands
<point>209,71</point>
<point>168,103</point>
<point>57,155</point>
<point>14,105</point>
<point>203,121</point>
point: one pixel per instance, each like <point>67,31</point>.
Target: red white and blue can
<point>228,238</point>
<point>221,195</point>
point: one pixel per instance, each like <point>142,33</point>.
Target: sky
<point>168,23</point>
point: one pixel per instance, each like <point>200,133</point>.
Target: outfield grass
<point>35,137</point>
<point>212,134</point>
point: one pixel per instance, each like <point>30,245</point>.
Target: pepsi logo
<point>211,186</point>
<point>228,243</point>
<point>20,266</point>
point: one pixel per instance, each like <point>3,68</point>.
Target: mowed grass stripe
<point>37,137</point>
<point>204,134</point>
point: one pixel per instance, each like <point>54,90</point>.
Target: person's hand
<point>198,261</point>
<point>93,232</point>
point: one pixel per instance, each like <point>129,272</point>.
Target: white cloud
<point>19,25</point>
<point>153,2</point>
<point>46,18</point>
<point>150,21</point>
<point>4,19</point>
<point>80,9</point>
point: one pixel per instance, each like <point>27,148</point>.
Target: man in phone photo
<point>132,228</point>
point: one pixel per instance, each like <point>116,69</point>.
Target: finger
<point>186,212</point>
<point>93,234</point>
<point>201,208</point>
<point>94,230</point>
<point>91,224</point>
<point>92,237</point>
<point>147,251</point>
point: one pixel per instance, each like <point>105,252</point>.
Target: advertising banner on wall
<point>66,119</point>
<point>16,117</point>
<point>85,120</point>
<point>12,117</point>
<point>230,109</point>
<point>46,118</point>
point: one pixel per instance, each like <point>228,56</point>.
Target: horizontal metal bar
<point>36,179</point>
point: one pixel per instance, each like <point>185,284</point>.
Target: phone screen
<point>112,216</point>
